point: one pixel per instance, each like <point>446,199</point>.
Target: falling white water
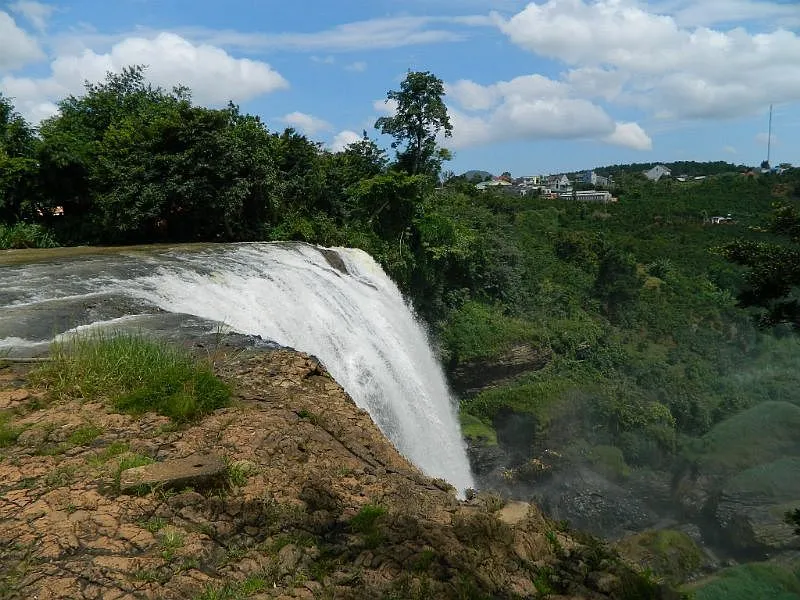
<point>356,322</point>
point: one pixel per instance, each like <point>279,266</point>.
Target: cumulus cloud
<point>623,51</point>
<point>532,107</point>
<point>385,107</point>
<point>35,12</point>
<point>630,135</point>
<point>17,47</point>
<point>343,139</point>
<point>308,124</point>
<point>213,75</point>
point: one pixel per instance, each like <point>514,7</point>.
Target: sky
<point>532,87</point>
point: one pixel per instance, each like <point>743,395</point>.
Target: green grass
<point>84,435</point>
<point>238,590</point>
<point>238,473</point>
<point>759,435</point>
<point>8,433</point>
<point>111,451</point>
<point>750,582</point>
<point>365,522</point>
<point>130,461</point>
<point>25,235</point>
<point>135,374</point>
<point>478,430</point>
<point>171,540</point>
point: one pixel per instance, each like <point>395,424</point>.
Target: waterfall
<point>336,304</point>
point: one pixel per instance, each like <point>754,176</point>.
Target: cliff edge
<point>311,501</point>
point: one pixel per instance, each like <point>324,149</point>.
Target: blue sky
<point>556,85</point>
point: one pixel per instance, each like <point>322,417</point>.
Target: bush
<point>477,331</point>
<point>25,235</point>
<point>135,375</point>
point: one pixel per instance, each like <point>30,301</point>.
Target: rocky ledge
<point>313,503</point>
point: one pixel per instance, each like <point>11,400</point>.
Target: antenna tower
<point>769,135</point>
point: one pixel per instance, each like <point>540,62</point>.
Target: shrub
<point>25,235</point>
<point>135,374</point>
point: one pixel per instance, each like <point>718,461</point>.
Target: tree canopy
<point>420,117</point>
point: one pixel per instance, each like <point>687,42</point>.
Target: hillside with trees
<point>626,352</point>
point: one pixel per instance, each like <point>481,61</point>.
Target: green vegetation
<point>25,235</point>
<point>170,540</point>
<point>111,451</point>
<point>477,331</point>
<point>366,522</point>
<point>8,432</point>
<point>650,322</point>
<point>129,461</point>
<point>475,429</point>
<point>135,375</point>
<point>671,555</point>
<point>745,582</point>
<point>238,590</point>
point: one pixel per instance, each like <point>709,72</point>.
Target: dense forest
<point>659,345</point>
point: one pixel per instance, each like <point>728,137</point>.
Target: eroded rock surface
<point>317,503</point>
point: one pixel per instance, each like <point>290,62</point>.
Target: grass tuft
<point>25,235</point>
<point>135,374</point>
<point>129,461</point>
<point>8,433</point>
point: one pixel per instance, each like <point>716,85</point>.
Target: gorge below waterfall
<point>336,304</point>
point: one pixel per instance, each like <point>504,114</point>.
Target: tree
<point>618,283</point>
<point>421,116</point>
<point>17,164</point>
<point>130,162</point>
<point>774,276</point>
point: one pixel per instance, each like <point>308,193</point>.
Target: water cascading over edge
<point>345,310</point>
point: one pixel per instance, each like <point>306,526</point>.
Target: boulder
<point>196,471</point>
<point>752,505</point>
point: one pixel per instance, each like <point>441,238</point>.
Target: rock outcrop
<point>470,377</point>
<point>316,503</point>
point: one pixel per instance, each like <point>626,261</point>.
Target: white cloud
<point>630,135</point>
<point>35,12</point>
<point>308,124</point>
<point>532,107</point>
<point>324,60</point>
<point>213,75</point>
<point>391,32</point>
<point>358,66</point>
<point>729,150</point>
<point>385,107</point>
<point>343,139</point>
<point>624,52</point>
<point>693,13</point>
<point>17,47</point>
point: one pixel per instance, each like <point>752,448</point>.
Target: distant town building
<point>559,183</point>
<point>494,183</point>
<point>657,173</point>
<point>592,178</point>
<point>602,196</point>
